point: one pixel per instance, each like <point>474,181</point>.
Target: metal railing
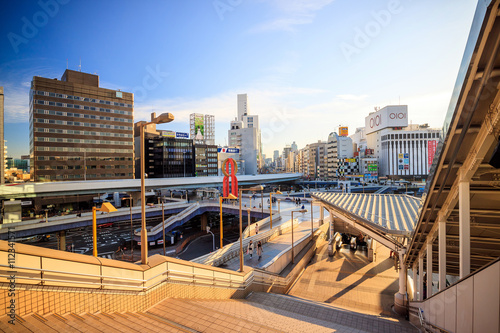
<point>41,276</point>
<point>231,251</point>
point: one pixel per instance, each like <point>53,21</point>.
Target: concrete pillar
<point>464,227</point>
<point>37,203</point>
<point>421,278</point>
<point>204,219</point>
<point>415,282</point>
<point>442,254</point>
<point>136,198</point>
<point>400,297</point>
<point>62,240</point>
<point>321,215</point>
<point>402,275</point>
<point>331,242</point>
<point>429,269</point>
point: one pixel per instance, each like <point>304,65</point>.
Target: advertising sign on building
<point>228,150</point>
<point>373,167</point>
<point>343,131</point>
<point>181,135</point>
<point>389,116</point>
<point>199,126</point>
<point>168,134</point>
<point>431,151</point>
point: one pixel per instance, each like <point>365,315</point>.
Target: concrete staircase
<point>260,312</point>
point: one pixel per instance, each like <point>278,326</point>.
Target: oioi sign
<point>389,116</point>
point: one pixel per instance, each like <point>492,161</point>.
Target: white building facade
<point>402,151</point>
<point>245,135</point>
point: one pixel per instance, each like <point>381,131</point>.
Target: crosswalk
<point>108,255</point>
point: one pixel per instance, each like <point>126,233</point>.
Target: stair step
<point>331,313</point>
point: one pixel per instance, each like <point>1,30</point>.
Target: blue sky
<point>307,65</point>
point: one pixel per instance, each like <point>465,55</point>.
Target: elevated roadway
<point>32,228</point>
<point>49,189</point>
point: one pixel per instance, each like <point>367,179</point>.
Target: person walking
<point>256,228</point>
<point>250,249</point>
<point>259,250</point>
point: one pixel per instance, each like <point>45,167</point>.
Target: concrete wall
<point>471,305</point>
<point>46,281</point>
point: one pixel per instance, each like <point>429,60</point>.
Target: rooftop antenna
<point>80,66</point>
<point>66,63</point>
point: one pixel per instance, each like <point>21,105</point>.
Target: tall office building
<point>205,160</point>
<point>245,134</point>
<point>2,144</point>
<point>78,130</point>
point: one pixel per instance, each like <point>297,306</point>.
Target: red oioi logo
<point>399,115</point>
<point>375,121</point>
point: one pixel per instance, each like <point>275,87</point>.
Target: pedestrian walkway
<point>350,281</point>
<point>273,248</point>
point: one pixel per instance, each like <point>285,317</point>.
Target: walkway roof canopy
<point>391,214</point>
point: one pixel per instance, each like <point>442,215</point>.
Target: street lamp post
<point>213,238</point>
<point>161,119</point>
<point>106,207</point>
<point>262,204</point>
<point>230,196</point>
<point>271,207</point>
<point>312,219</point>
<point>163,225</point>
<point>131,230</point>
<point>254,188</point>
<point>295,211</point>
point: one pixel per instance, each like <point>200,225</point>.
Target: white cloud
<point>349,97</point>
<point>16,105</point>
<point>292,13</point>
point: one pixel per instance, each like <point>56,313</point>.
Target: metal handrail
<point>73,273</point>
<point>228,251</point>
<point>170,274</point>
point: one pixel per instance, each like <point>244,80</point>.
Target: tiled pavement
<point>274,247</point>
<point>261,312</point>
<point>350,281</point>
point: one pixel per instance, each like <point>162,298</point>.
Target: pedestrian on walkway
<point>256,228</point>
<point>250,249</point>
<point>259,250</point>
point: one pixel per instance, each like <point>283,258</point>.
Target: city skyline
<point>307,66</point>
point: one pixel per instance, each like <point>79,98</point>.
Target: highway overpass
<point>49,189</point>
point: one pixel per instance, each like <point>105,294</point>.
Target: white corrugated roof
<point>394,213</point>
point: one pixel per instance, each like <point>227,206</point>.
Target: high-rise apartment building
<point>245,134</point>
<point>80,131</point>
<point>338,148</point>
